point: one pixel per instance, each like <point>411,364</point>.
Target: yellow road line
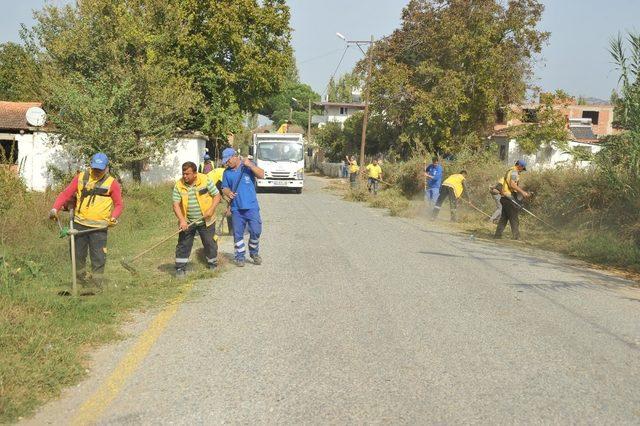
<point>93,408</point>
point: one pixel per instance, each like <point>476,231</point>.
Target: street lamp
<point>369,55</point>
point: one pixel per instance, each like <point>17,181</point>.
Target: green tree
<point>332,139</point>
<point>106,86</point>
<point>20,76</point>
<point>278,107</point>
<point>343,89</point>
<point>550,125</point>
<point>237,52</point>
<point>442,75</point>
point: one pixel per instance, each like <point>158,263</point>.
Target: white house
<point>31,151</point>
<point>550,155</point>
<point>336,112</point>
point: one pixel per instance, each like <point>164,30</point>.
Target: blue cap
<point>226,154</point>
<point>522,164</point>
<point>206,157</point>
<point>99,161</point>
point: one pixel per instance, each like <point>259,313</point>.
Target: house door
<point>9,154</point>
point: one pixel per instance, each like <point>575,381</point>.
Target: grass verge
<point>45,339</point>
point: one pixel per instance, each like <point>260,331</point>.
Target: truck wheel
<point>298,190</point>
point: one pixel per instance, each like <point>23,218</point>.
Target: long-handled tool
<point>72,233</point>
<point>127,264</point>
<point>521,207</point>
<point>475,208</point>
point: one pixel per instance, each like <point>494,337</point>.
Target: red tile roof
<point>13,115</point>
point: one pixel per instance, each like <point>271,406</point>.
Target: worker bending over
<point>453,188</point>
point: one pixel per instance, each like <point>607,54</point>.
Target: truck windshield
<point>280,151</point>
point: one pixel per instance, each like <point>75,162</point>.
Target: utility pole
<point>309,124</point>
<point>365,119</point>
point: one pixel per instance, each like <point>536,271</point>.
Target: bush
<point>607,248</point>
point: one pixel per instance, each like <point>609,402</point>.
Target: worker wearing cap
<point>374,175</point>
<point>284,127</point>
<point>206,166</point>
<point>238,185</point>
<point>96,198</point>
<point>511,196</point>
<point>195,199</point>
<point>452,188</point>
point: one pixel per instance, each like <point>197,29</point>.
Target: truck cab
<point>281,156</point>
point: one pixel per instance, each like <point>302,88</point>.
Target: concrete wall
<point>330,169</point>
<point>546,157</point>
<point>38,151</point>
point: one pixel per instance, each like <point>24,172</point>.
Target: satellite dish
<point>36,117</point>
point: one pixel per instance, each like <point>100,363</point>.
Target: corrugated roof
<point>13,115</point>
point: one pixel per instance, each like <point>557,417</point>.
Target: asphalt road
<point>357,317</point>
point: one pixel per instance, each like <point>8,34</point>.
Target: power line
<point>336,70</point>
<point>324,55</point>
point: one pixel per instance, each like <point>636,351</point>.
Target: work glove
<point>53,214</point>
<point>113,222</point>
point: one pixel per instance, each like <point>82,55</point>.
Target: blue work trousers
<point>431,195</point>
<point>243,219</point>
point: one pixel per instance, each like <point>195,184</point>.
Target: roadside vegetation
<point>45,338</point>
<point>598,216</point>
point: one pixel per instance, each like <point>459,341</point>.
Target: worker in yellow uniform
<point>511,196</point>
<point>374,175</point>
<point>216,177</point>
<point>98,205</point>
<point>284,128</point>
<point>353,170</point>
<point>453,188</point>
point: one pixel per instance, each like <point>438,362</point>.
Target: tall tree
<point>107,87</point>
<point>237,52</point>
<point>343,90</point>
<point>20,76</point>
<point>292,100</point>
<point>442,75</point>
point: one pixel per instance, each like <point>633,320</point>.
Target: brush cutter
<point>475,208</point>
<point>521,207</point>
<point>128,264</point>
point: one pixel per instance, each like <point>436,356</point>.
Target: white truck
<point>281,156</point>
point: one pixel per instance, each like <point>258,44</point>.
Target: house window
<point>344,111</point>
<point>530,115</point>
<point>8,152</point>
<point>593,115</point>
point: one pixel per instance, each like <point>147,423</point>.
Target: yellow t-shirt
<point>353,167</point>
<point>216,175</point>
<point>284,128</point>
<point>455,182</point>
<point>374,171</point>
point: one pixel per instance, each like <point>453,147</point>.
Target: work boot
<point>257,260</point>
<point>212,266</point>
<point>181,273</point>
<point>239,263</point>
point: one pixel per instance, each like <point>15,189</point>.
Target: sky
<point>575,60</point>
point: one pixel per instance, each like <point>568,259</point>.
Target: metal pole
<point>365,119</point>
<point>290,113</point>
<point>74,279</point>
<point>309,124</point>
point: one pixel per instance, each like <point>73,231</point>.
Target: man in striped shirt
<point>195,198</point>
